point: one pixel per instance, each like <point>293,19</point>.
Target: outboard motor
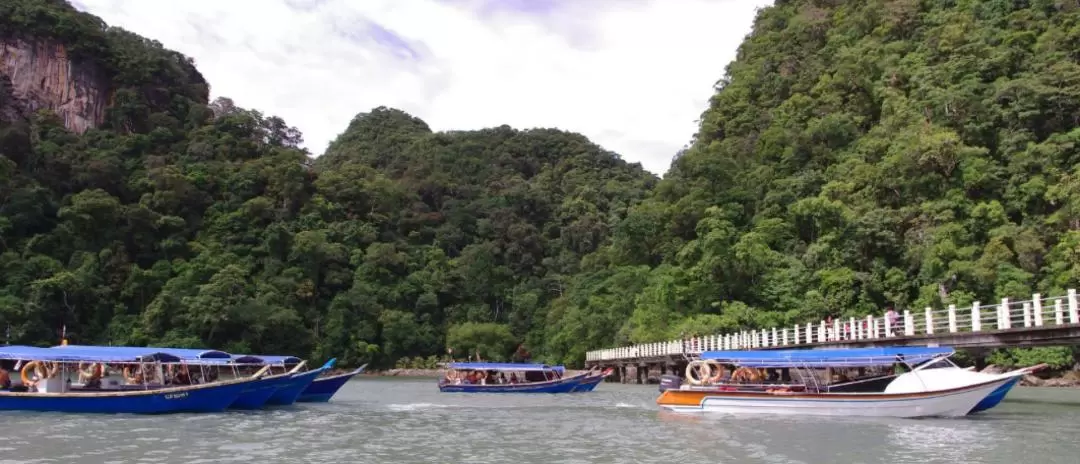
<point>670,382</point>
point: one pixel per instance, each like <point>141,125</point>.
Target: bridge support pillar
<point>980,361</point>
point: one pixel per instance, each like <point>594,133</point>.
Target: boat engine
<point>670,382</point>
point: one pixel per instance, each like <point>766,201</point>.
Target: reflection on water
<point>403,421</point>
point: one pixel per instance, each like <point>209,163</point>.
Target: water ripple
<point>407,420</point>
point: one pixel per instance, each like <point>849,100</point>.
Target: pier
<point>1037,321</point>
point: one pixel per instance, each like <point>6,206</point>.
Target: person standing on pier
<point>890,317</point>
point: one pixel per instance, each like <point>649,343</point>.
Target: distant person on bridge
<point>890,317</point>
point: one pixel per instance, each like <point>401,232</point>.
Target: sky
<point>632,75</point>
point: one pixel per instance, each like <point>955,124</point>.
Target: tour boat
<point>592,380</point>
<point>45,375</point>
<point>482,377</point>
<point>324,388</point>
<point>298,379</point>
<point>924,391</point>
<point>210,364</point>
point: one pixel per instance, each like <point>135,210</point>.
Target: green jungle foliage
<point>194,224</point>
<point>856,153</point>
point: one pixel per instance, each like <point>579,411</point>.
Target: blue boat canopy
<point>186,354</point>
<point>482,366</point>
<point>98,354</point>
<point>842,357</point>
<point>267,359</point>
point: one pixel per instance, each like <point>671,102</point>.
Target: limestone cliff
<point>38,74</point>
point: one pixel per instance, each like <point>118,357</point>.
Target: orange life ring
<point>718,376</point>
<point>37,368</point>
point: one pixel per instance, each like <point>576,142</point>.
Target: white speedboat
<point>762,382</point>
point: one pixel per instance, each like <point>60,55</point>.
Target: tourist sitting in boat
<point>5,379</point>
<point>513,378</point>
<point>180,375</point>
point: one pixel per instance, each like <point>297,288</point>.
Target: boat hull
<point>996,396</point>
<point>324,388</point>
<point>954,402</point>
<point>590,382</point>
<point>259,392</point>
<point>287,393</point>
<point>565,385</point>
<point>215,397</point>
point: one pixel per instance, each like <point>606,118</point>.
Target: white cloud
<point>632,75</point>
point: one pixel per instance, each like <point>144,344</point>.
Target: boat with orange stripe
<point>876,382</point>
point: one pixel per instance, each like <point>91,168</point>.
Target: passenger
<point>502,377</point>
<point>182,377</point>
<point>891,317</point>
<point>5,379</point>
<point>513,378</point>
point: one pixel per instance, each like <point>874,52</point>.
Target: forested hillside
<point>856,153</point>
<point>180,222</point>
<point>859,153</point>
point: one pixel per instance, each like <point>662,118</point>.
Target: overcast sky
<point>632,75</point>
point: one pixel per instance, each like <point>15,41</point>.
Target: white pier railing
<point>1009,314</point>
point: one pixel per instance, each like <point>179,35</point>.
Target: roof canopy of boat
<point>843,357</point>
<point>186,354</point>
<point>484,366</point>
<point>264,359</point>
<point>87,354</point>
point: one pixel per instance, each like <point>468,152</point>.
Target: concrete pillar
<point>976,317</point>
<point>952,318</point>
<point>1074,308</point>
<point>1037,309</point>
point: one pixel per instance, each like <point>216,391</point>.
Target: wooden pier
<point>977,328</point>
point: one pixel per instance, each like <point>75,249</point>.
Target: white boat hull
<point>948,403</point>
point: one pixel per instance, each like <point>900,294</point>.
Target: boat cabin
<point>856,370</point>
<point>480,373</point>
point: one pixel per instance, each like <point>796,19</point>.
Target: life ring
<point>704,372</point>
<point>719,372</point>
<point>37,368</point>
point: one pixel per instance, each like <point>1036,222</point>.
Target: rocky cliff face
<point>38,74</point>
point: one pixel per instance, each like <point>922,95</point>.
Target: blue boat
<point>324,388</point>
<point>53,392</point>
<point>289,391</point>
<point>539,378</point>
<point>591,381</point>
<point>253,395</point>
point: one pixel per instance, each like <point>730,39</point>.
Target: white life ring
<point>704,371</point>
